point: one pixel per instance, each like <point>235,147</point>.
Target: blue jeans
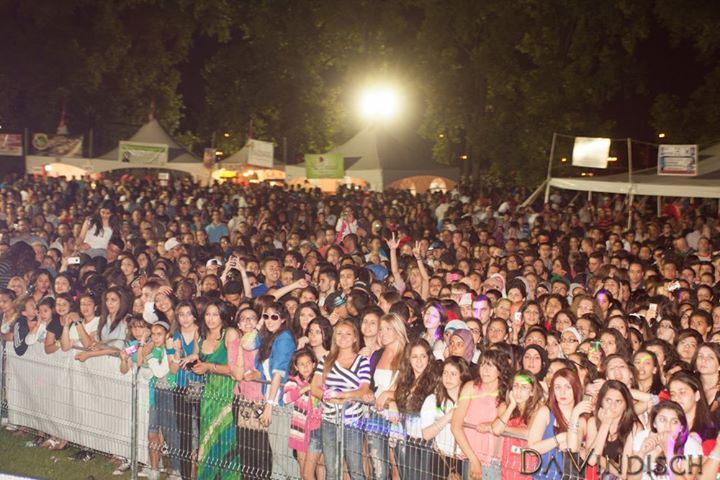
<point>377,429</point>
<point>352,450</point>
<point>413,457</point>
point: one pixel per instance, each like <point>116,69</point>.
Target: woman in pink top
<point>477,409</point>
<point>247,320</point>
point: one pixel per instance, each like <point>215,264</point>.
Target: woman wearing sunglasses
<point>277,347</point>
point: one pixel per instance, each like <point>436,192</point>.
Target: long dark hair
<point>657,385</point>
<point>410,392</point>
<point>124,309</point>
<point>629,419</point>
<point>441,393</point>
<point>502,361</point>
<point>96,221</point>
<point>267,337</point>
<point>223,310</point>
<point>703,423</point>
<point>296,327</point>
<point>675,407</point>
<point>533,402</point>
<point>325,327</point>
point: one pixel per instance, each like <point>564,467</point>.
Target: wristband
<point>170,351</point>
<point>715,455</point>
<point>272,403</point>
<point>557,443</point>
<point>654,399</point>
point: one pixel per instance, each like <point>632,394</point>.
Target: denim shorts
<point>315,445</point>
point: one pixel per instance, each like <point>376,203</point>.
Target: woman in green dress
<point>218,343</point>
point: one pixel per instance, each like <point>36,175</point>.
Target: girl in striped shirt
<point>341,380</point>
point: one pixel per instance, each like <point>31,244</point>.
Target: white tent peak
<point>153,132</point>
<point>380,158</point>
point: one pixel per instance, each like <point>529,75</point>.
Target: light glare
<point>379,104</point>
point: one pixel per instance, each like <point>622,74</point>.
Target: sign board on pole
<point>11,144</point>
<point>591,152</point>
<point>329,165</point>
<point>260,153</point>
<point>143,153</point>
<point>49,145</point>
<point>680,160</point>
<point>209,157</point>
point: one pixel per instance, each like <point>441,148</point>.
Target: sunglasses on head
<point>273,316</point>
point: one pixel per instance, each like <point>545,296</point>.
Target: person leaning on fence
<point>154,354</point>
<point>523,400</point>
<point>217,352</point>
<point>478,406</point>
<point>417,379</point>
<point>306,412</point>
<point>276,348</point>
<point>384,369</point>
<point>187,397</point>
<point>342,380</point>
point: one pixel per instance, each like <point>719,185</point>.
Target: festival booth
<point>254,163</point>
<point>706,184</point>
<point>374,158</point>
<point>151,147</point>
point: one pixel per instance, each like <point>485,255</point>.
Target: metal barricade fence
<point>208,431</point>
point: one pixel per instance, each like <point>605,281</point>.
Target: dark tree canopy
<point>488,80</point>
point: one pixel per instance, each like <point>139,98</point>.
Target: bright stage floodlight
<point>379,104</point>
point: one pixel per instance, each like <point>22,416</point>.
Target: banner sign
<point>143,153</point>
<point>680,160</point>
<point>209,157</point>
<point>591,152</point>
<point>260,153</point>
<point>11,144</point>
<point>329,165</point>
<point>48,145</point>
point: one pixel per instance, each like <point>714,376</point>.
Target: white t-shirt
<point>429,414</point>
<point>90,329</point>
<point>100,240</point>
<point>693,448</point>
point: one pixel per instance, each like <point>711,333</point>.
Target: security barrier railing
<point>209,432</point>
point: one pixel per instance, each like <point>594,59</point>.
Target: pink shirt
<point>482,409</point>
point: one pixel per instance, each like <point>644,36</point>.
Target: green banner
<point>329,165</point>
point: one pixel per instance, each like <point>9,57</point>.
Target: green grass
<point>38,462</point>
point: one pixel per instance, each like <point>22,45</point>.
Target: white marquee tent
<point>376,157</point>
<point>152,132</point>
<point>647,182</point>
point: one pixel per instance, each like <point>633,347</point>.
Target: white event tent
<point>376,158</point>
<point>647,182</point>
<point>152,132</point>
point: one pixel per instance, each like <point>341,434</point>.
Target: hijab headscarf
<point>467,338</point>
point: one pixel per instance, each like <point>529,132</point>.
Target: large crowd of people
<point>451,334</point>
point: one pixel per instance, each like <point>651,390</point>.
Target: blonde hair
<point>397,324</point>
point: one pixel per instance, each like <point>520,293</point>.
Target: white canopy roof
<point>379,158</point>
<point>647,182</point>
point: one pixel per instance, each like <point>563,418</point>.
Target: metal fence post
<point>134,426</point>
<point>4,407</point>
<point>341,451</point>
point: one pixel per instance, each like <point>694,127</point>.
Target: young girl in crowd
<point>436,416</point>
<point>306,414</point>
<point>667,440</point>
<point>154,355</point>
<point>523,401</point>
<point>477,408</point>
<point>417,379</point>
<point>551,426</point>
<point>342,380</point>
<point>384,367</point>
